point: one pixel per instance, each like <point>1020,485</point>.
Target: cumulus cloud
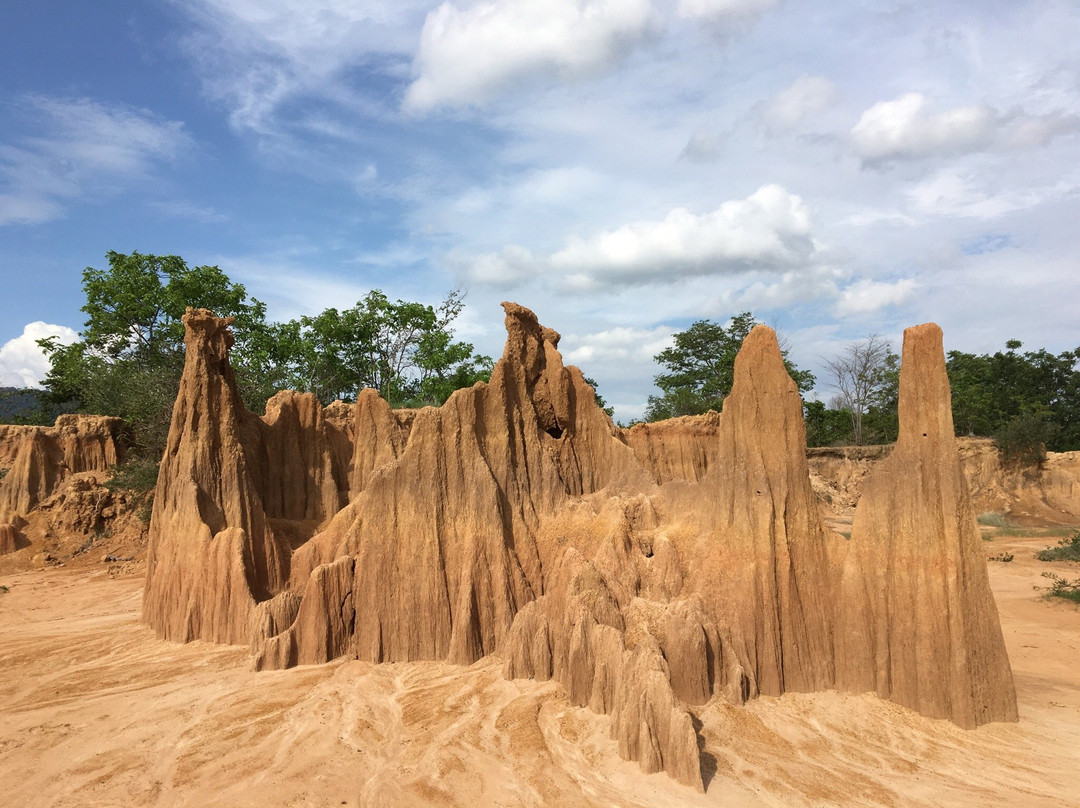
<point>906,128</point>
<point>22,363</point>
<point>81,147</point>
<point>867,296</point>
<point>806,97</point>
<point>769,230</point>
<point>467,54</point>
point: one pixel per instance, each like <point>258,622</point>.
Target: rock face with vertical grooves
<point>918,622</point>
<point>40,459</point>
<point>648,571</point>
<point>226,478</point>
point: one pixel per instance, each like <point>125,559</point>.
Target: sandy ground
<point>95,711</point>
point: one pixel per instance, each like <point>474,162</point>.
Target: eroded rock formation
<point>647,571</point>
<point>39,460</point>
<point>916,619</point>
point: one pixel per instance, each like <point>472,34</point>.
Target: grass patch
<point>1027,532</point>
<point>1066,550</point>
<point>1062,588</point>
<point>991,519</point>
<point>1005,558</point>
<point>4,590</point>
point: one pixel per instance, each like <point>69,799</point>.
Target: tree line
<point>130,355</point>
<point>1029,402</point>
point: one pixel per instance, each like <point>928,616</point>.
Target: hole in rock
<point>555,431</point>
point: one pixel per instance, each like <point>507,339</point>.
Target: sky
<point>622,167</point>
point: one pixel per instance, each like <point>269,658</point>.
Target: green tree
<point>129,357</point>
<point>700,368</point>
<point>826,426</point>
<point>1033,396</point>
<point>405,350</point>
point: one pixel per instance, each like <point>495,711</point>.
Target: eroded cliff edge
<point>647,572</point>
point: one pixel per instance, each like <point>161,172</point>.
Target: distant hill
<point>19,404</point>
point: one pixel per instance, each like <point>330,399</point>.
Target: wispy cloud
<point>80,147</point>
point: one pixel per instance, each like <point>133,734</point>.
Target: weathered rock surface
<point>648,571</point>
<point>916,619</point>
<point>1047,494</point>
<point>226,479</point>
<point>41,459</point>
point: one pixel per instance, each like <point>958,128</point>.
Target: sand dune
<point>97,712</point>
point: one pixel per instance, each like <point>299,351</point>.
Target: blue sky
<point>623,167</point>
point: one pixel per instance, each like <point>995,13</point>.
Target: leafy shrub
<point>137,476</point>
<point>1066,550</point>
<point>1022,441</point>
<point>1063,588</point>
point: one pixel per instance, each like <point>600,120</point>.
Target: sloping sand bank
<point>94,711</point>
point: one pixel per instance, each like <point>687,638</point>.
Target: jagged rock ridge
<point>647,571</point>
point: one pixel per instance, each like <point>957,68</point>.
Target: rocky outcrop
<point>677,449</point>
<point>1033,495</point>
<point>235,492</point>
<point>648,571</point>
<point>916,619</point>
<point>40,459</point>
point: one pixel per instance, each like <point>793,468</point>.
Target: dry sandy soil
<point>95,711</point>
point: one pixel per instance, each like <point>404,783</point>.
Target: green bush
<point>1062,588</point>
<point>137,476</point>
<point>1066,550</point>
<point>1022,441</point>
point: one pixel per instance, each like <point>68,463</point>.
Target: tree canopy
<point>700,368</point>
<point>129,357</point>
<point>1030,397</point>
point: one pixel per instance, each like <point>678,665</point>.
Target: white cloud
<point>806,97</point>
<point>81,147</point>
<point>511,266</point>
<point>466,55</point>
<point>620,344</point>
<point>702,147</point>
<point>256,56</point>
<point>868,296</point>
<point>905,129</point>
<point>769,230</point>
<point>952,193</point>
<point>182,209</point>
<point>22,362</point>
<point>716,10</point>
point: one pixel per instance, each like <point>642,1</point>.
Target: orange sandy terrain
<point>94,710</point>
